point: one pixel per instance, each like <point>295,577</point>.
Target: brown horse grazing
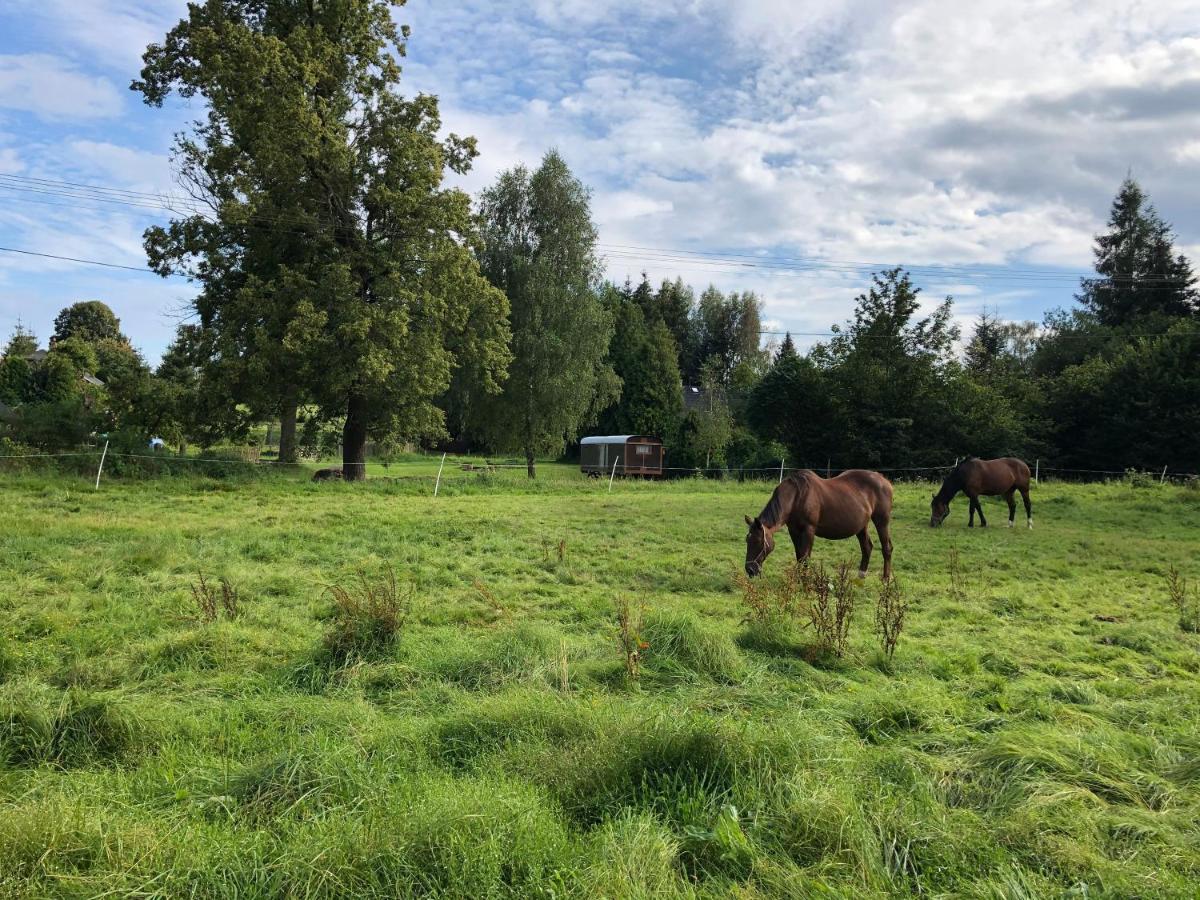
<point>833,508</point>
<point>983,478</point>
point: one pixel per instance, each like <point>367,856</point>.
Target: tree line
<point>347,292</point>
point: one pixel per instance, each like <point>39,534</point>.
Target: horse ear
<point>749,521</point>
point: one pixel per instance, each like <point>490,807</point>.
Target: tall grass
<point>465,726</point>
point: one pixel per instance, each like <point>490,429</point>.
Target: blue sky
<point>764,145</point>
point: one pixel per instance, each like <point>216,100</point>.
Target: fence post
<point>781,470</point>
<point>1163,477</point>
<point>1037,467</point>
<point>101,468</point>
<point>614,474</point>
<point>437,484</point>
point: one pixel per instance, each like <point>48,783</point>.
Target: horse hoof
<point>1010,523</point>
<point>862,574</point>
<point>1031,524</point>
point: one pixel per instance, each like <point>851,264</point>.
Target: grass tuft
<point>368,617</point>
<point>679,646</point>
<point>71,729</point>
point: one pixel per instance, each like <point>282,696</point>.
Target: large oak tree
<point>332,260</point>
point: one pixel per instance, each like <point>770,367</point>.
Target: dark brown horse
<point>833,508</point>
<point>983,478</point>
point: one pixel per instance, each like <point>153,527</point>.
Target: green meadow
<point>1037,733</point>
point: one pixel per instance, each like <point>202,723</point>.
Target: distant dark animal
<point>327,475</point>
<point>834,508</point>
<point>983,478</point>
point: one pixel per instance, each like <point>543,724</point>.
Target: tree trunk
<point>354,439</point>
<point>287,431</point>
<point>529,463</point>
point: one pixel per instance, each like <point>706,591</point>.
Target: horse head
<point>759,544</point>
<point>939,509</point>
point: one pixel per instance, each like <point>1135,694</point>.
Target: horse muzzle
<point>753,569</point>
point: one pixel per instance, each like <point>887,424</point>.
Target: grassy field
<point>1037,734</point>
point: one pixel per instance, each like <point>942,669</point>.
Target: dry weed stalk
<point>206,599</point>
<point>768,603</point>
<point>550,549</point>
<point>1188,608</point>
<point>209,601</point>
<point>629,637</point>
<point>561,664</point>
<point>958,584</point>
<point>889,616</point>
<point>368,616</point>
<point>830,605</point>
<point>492,600</point>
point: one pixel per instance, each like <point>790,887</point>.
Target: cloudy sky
<point>770,145</point>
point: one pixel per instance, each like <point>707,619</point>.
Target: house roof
<point>607,439</point>
<point>693,396</point>
<point>615,438</point>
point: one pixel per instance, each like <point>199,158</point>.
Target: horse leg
<point>802,540</point>
<point>797,534</point>
<point>864,542</point>
<point>979,509</point>
<point>1028,506</point>
<point>1012,506</point>
<point>883,528</point>
<point>971,510</point>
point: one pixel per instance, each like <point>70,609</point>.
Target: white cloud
<point>928,132</point>
<point>931,132</point>
<point>51,88</point>
<point>111,34</point>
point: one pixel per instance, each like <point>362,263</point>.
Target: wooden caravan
<point>630,454</point>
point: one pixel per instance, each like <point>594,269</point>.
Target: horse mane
<point>774,514</point>
<point>954,481</point>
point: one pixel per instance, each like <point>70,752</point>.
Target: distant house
<point>39,356</point>
<point>694,397</point>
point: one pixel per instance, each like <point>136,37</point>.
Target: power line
<point>814,334</point>
<point>74,259</point>
<point>768,266</point>
<point>725,261</point>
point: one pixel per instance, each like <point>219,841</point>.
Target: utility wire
<point>723,261</point>
<point>74,259</point>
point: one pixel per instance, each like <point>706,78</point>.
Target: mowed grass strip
<point>1037,733</point>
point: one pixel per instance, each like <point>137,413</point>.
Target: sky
<point>768,145</point>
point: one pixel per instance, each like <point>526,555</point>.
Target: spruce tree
<point>1142,278</point>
